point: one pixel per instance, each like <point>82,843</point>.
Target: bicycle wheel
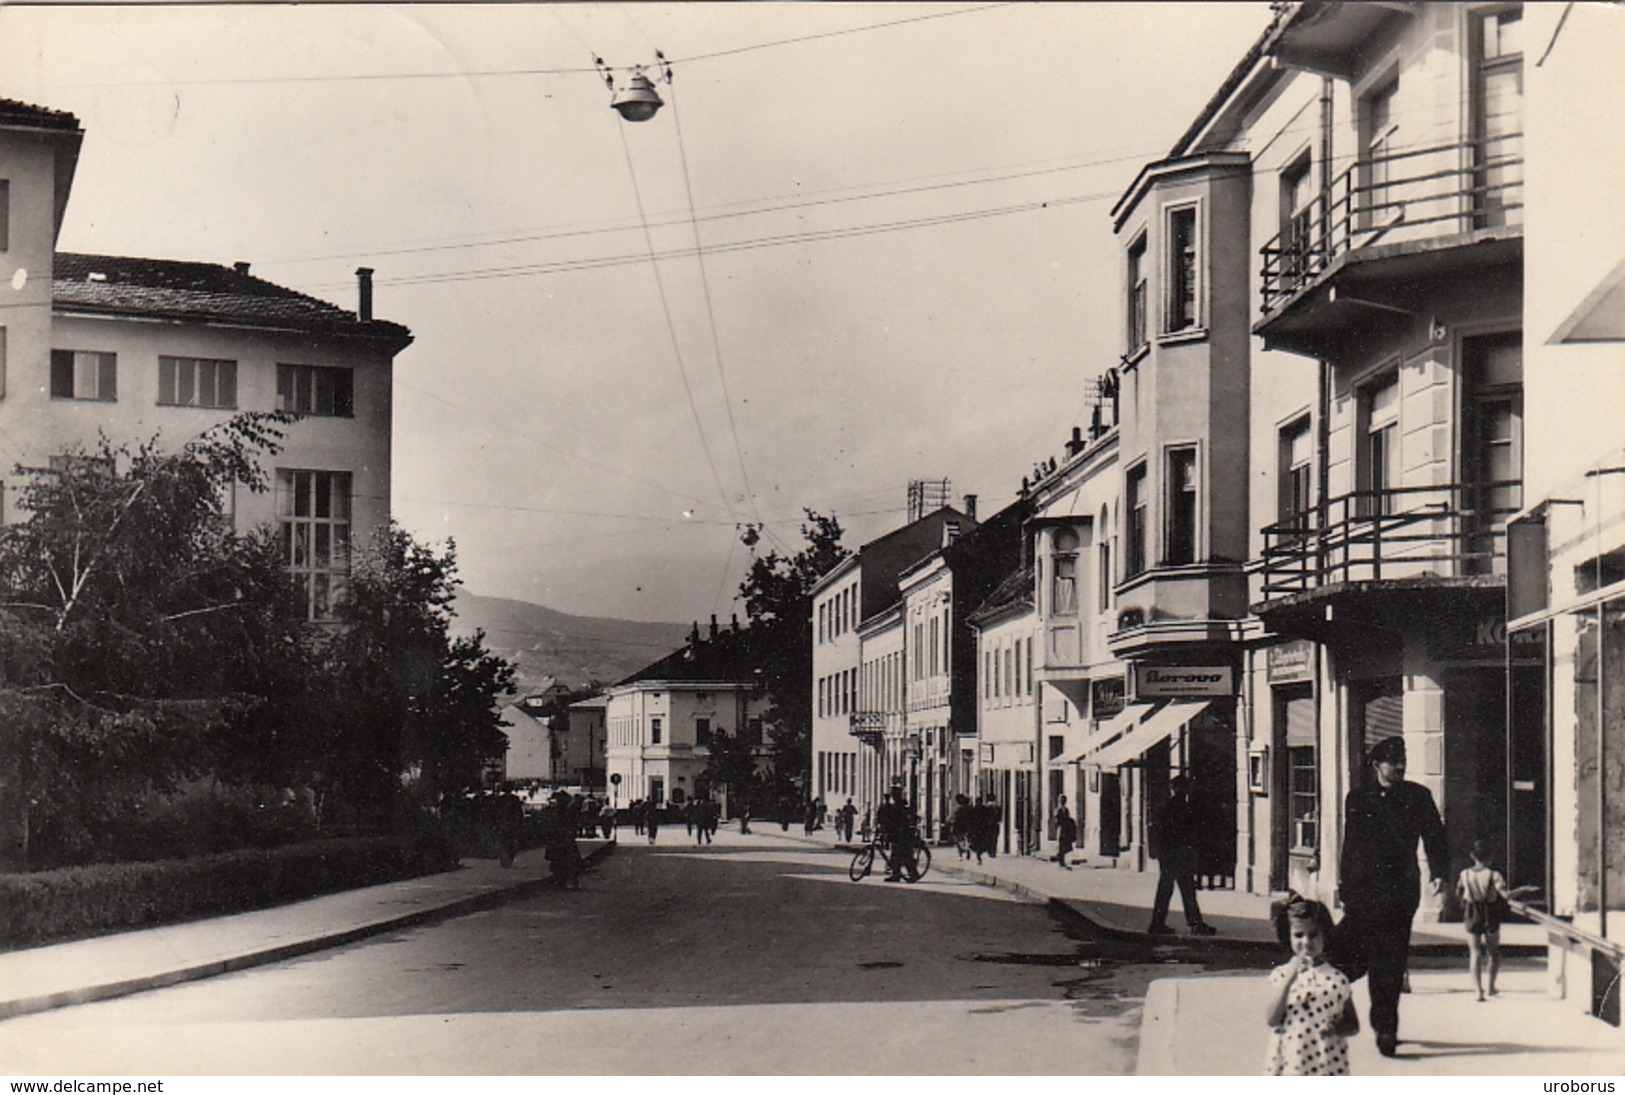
<point>919,861</point>
<point>862,863</point>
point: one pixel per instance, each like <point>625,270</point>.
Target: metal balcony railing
<point>1452,531</point>
<point>867,722</point>
<point>1419,193</point>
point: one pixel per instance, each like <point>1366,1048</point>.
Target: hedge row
<point>81,901</point>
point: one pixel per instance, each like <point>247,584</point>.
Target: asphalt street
<point>751,956</point>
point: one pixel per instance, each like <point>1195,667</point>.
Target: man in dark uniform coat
<point>1380,881</point>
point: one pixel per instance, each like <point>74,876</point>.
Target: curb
<point>462,906</point>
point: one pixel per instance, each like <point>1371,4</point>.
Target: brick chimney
<point>970,506</point>
<point>713,627</point>
<point>363,277</point>
<point>241,268</point>
<point>1075,446</point>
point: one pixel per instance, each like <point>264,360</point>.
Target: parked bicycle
<point>916,860</point>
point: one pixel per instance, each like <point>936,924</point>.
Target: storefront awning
<point>1129,747</point>
<point>1111,729</point>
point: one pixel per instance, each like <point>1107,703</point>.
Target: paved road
<point>752,956</point>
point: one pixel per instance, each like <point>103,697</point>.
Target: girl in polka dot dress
<point>1311,1008</point>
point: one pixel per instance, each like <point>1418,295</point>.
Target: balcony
<point>1396,538</point>
<point>1386,224</point>
<point>868,725</point>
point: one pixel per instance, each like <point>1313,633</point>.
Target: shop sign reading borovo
<point>1161,682</point>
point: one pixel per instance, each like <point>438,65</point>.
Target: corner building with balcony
<point>1378,159</point>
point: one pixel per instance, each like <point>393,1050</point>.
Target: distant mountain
<point>574,650</point>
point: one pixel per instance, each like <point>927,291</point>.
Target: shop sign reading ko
<point>1169,681</point>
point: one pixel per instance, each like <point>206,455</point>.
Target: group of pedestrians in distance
<point>974,827</point>
<point>701,817</point>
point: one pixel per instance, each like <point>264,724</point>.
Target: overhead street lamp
<point>638,101</point>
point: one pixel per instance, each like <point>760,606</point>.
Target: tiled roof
<point>728,657</point>
<point>203,292</point>
<point>14,113</point>
<point>1015,591</point>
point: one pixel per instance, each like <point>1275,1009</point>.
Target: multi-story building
<point>1386,155</point>
<point>660,721</point>
<point>136,348</point>
<point>940,694</point>
<point>856,752</point>
<point>1000,763</point>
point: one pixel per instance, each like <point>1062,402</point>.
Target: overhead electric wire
<point>467,74</point>
<point>571,232</point>
<point>811,236</point>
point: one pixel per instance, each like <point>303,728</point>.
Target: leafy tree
<point>731,764</point>
<point>407,697</point>
<point>777,591</point>
<point>117,594</point>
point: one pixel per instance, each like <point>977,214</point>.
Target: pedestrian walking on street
<point>559,831</point>
<point>845,817</point>
<point>607,820</point>
<point>1311,1004</point>
<point>1484,894</point>
<point>651,818</point>
<point>744,818</point>
<point>1066,836</point>
<point>809,819</point>
<point>1380,882</point>
<point>1173,834</point>
<point>688,816</point>
<point>985,840</point>
<point>963,824</point>
<point>638,814</point>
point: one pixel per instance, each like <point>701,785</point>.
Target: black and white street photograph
<point>829,540</point>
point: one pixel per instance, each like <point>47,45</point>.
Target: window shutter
<point>107,378</point>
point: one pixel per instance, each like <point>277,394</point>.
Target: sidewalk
<point>1212,1024</point>
<point>1118,903</point>
<point>61,974</point>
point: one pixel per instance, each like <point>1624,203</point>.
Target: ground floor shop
<point>1437,672</point>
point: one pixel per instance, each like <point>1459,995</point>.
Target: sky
<point>862,244</point>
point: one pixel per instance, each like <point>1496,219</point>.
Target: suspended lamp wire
<point>671,328</point>
<point>710,310</point>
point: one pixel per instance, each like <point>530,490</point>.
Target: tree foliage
<point>777,592</point>
<point>145,645</point>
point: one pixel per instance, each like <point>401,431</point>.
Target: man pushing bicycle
<point>897,831</point>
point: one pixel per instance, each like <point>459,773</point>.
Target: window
<point>1303,808</point>
<point>936,638</point>
<point>1498,119</point>
<point>1103,596</point>
<point>1379,137</point>
<point>197,382</point>
<point>1296,453</point>
<point>316,390</point>
<point>1182,498</point>
<point>1015,681</point>
<point>1137,326</point>
<point>84,374</point>
<point>314,510</point>
<point>1181,264</point>
<point>1029,679</point>
<point>656,728</point>
<point>5,214</point>
<point>1009,674</point>
<point>1134,561</point>
<point>1381,445</point>
<point>702,731</point>
<point>1297,219</point>
<point>2,362</point>
<point>1064,582</point>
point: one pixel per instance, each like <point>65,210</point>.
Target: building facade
<point>141,348</point>
<point>660,722</point>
